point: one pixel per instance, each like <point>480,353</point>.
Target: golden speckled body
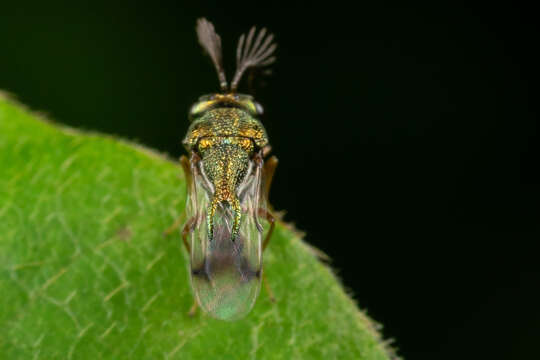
<point>225,137</point>
<point>228,180</point>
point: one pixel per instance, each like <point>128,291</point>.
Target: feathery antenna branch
<point>251,54</point>
<point>211,42</point>
<point>252,51</point>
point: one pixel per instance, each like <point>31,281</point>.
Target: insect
<point>228,183</point>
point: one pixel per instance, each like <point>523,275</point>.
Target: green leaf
<point>85,272</point>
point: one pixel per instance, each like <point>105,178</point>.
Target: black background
<point>407,137</point>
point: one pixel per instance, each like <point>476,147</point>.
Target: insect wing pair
<point>225,273</point>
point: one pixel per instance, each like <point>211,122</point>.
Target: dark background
<point>407,137</point>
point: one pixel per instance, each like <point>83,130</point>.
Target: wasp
<point>228,180</point>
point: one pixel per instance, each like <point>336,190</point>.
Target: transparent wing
<point>225,274</point>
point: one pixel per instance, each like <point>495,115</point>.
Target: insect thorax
<point>225,133</point>
<point>225,116</point>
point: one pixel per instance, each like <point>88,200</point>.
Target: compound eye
<point>194,109</point>
<point>198,108</point>
<point>259,108</point>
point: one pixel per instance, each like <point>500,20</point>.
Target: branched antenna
<point>211,43</point>
<point>253,54</point>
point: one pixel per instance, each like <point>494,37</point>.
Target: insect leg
<point>187,170</point>
<point>267,287</point>
<point>187,173</point>
<point>185,232</point>
<point>272,221</point>
<point>193,308</point>
<point>186,166</point>
<point>268,173</point>
<point>175,225</point>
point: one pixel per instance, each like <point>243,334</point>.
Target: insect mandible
<point>228,180</point>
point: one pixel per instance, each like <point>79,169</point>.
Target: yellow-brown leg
<point>187,173</point>
<point>175,225</point>
<point>267,287</point>
<point>187,170</point>
<point>186,166</point>
<point>185,232</point>
<point>193,309</point>
<point>271,220</point>
<point>268,174</point>
<point>268,216</point>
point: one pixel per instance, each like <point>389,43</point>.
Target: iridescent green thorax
<point>225,136</point>
<point>225,115</point>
